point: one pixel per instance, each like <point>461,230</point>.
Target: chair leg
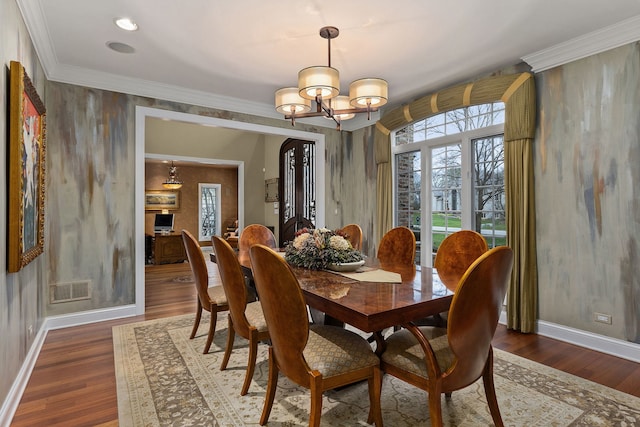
<point>375,390</point>
<point>212,330</point>
<point>272,383</point>
<point>231,335</point>
<point>316,401</point>
<point>435,408</point>
<point>197,321</point>
<point>251,364</point>
<point>490,391</point>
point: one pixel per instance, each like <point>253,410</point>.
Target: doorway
<point>142,113</point>
<point>297,186</point>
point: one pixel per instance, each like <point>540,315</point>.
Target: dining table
<point>373,298</point>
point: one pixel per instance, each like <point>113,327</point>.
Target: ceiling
<point>235,54</point>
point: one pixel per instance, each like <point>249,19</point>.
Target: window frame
<point>426,148</point>
<point>218,208</point>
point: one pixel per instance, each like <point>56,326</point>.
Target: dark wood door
<point>297,187</point>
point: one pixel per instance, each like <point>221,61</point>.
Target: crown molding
<point>610,37</point>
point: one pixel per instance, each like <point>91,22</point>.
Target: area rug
<point>163,379</point>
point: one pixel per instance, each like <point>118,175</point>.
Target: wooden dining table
<point>367,305</point>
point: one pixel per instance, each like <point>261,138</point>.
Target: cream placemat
<point>372,275</point>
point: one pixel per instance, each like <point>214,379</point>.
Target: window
<point>452,165</point>
<point>209,211</point>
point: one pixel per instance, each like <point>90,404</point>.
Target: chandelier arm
<point>335,112</point>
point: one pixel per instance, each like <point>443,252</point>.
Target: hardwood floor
<point>73,382</point>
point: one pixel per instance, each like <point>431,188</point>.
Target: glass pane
<point>488,194</point>
<point>446,191</point>
<point>208,211</point>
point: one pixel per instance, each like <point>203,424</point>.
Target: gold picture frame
<point>27,141</point>
<point>157,200</point>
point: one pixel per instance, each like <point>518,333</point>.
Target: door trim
<point>141,113</point>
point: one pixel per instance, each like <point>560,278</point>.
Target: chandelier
<point>172,182</point>
<point>322,85</point>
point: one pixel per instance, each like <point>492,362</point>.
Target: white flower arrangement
<point>317,248</point>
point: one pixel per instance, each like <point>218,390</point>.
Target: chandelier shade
<point>341,103</point>
<point>318,81</point>
<point>368,91</point>
<point>321,85</point>
<point>289,101</point>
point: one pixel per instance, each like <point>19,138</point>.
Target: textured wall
<point>351,185</point>
<point>587,170</point>
<point>90,224</point>
<point>21,304</point>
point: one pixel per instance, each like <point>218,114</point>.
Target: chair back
<point>198,267</point>
<point>474,314</point>
<point>456,253</point>
<point>353,233</point>
<point>256,233</point>
<point>233,282</point>
<point>397,248</point>
<point>284,311</point>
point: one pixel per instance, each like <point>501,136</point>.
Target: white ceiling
<point>235,54</point>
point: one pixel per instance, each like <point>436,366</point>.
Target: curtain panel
<point>517,91</point>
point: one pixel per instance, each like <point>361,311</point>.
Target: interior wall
<point>186,217</point>
<point>92,151</point>
<point>272,145</point>
<point>21,297</point>
<point>587,170</point>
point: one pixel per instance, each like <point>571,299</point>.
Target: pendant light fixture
<point>172,182</point>
<point>321,84</point>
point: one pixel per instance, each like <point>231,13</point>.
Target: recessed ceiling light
<point>120,47</point>
<point>126,24</point>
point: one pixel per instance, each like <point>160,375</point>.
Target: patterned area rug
<point>163,379</point>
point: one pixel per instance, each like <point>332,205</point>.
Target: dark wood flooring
<point>73,382</point>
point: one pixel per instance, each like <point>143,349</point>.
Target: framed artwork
<point>27,136</point>
<point>271,190</point>
<point>157,200</point>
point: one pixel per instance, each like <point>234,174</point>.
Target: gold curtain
<point>517,91</point>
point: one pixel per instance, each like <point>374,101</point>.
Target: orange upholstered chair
<point>441,360</point>
<point>245,319</point>
<point>353,233</point>
<point>212,299</point>
<point>256,233</point>
<point>397,247</point>
<point>317,357</point>
<point>456,253</point>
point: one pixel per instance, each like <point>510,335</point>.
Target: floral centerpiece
<point>317,248</point>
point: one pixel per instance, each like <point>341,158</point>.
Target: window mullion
<point>426,243</point>
<point>467,184</point>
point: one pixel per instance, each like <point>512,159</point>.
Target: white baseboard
<point>93,316</point>
<point>603,344</point>
<point>12,400</point>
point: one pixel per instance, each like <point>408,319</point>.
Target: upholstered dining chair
<point>245,319</point>
<point>456,253</point>
<point>353,233</point>
<point>256,233</point>
<point>212,299</point>
<point>454,256</point>
<point>317,357</point>
<point>397,250</point>
<point>442,360</point>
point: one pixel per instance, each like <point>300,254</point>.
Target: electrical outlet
<point>602,318</point>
